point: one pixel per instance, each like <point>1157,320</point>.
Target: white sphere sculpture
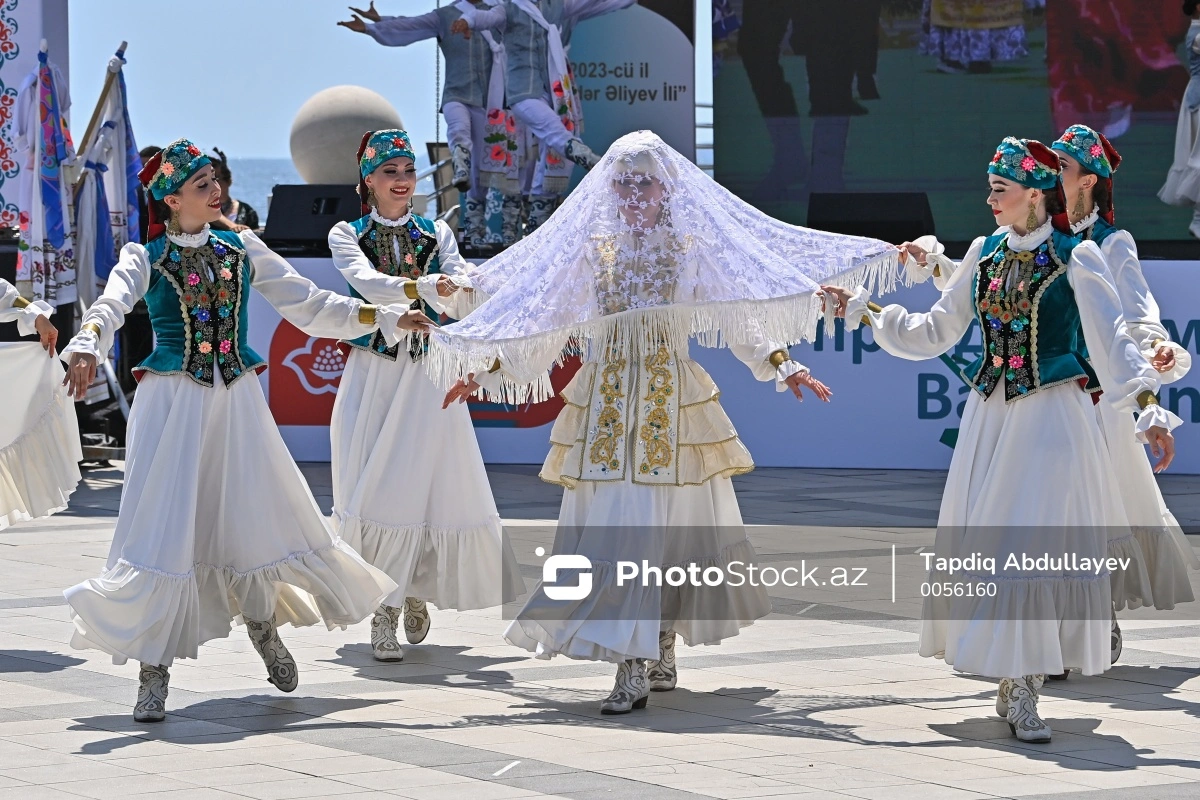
<point>329,126</point>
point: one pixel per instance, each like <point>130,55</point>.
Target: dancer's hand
<point>445,286</point>
<point>48,332</point>
<point>370,13</point>
<point>461,390</point>
<point>81,371</point>
<point>414,320</point>
<point>1164,359</point>
<point>838,296</point>
<point>802,378</point>
<point>357,24</point>
<point>909,249</point>
<point>461,27</point>
<point>1162,446</point>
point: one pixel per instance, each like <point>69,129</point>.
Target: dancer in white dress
<point>1030,472</point>
<point>647,252</point>
<point>217,525</point>
<point>39,436</point>
<point>1182,187</point>
<point>410,492</point>
<point>1162,552</point>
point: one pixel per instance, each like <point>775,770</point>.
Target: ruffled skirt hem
<point>39,470</point>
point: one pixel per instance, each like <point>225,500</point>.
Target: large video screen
<point>881,96</point>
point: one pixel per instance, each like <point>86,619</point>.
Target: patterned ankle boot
<point>474,223</point>
<point>1023,718</point>
<point>631,689</point>
<point>1003,699</point>
<point>416,620</point>
<point>1117,640</point>
<point>460,160</point>
<point>151,703</point>
<point>384,643</point>
<point>510,216</point>
<point>662,674</point>
<point>540,209</point>
<point>581,154</point>
<point>281,667</point>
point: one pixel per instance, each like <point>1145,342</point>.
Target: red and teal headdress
<point>163,174</point>
<point>377,147</point>
<point>1034,166</point>
<point>1095,153</point>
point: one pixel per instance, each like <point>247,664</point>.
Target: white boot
<point>151,703</point>
<point>384,643</point>
<point>663,674</point>
<point>281,667</point>
<point>416,620</point>
<point>1117,643</point>
<point>1023,719</point>
<point>631,689</point>
<point>460,159</point>
<point>1002,698</point>
<point>581,154</point>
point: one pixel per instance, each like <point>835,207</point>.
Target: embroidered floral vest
<point>1032,335</point>
<point>418,258</point>
<point>198,309</point>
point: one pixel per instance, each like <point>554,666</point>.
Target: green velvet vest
<point>425,262</point>
<point>199,318</point>
<point>1036,340</point>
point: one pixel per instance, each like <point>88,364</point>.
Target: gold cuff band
<point>93,327</point>
<point>1147,398</point>
<point>779,357</point>
<point>492,370</point>
<point>874,308</point>
<point>866,320</point>
<point>410,290</point>
<point>1158,343</point>
<point>20,302</point>
<point>937,271</point>
<point>366,314</point>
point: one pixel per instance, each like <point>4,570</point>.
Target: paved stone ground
<point>823,700</point>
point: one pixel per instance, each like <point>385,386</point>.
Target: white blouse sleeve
<point>927,335</point>
<point>317,312</point>
<point>1138,304</point>
<point>129,280</point>
<point>455,267</point>
<point>360,273</point>
<point>491,19</point>
<point>1123,370</point>
<point>401,31</point>
<point>756,354</point>
<point>14,308</point>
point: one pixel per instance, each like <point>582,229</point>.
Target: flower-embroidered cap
<point>171,167</point>
<point>1090,148</point>
<point>1026,162</point>
<point>382,146</point>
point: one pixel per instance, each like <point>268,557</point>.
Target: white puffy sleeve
<point>1125,374</point>
<point>317,312</point>
<point>360,273</point>
<point>1138,305</point>
<point>129,280</point>
<point>401,31</point>
<point>767,360</point>
<point>926,335</point>
<point>14,308</point>
<point>455,267</point>
<point>491,19</point>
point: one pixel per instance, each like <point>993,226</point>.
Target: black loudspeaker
<point>300,217</point>
<point>891,216</point>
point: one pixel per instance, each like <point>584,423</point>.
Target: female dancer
<point>1088,162</point>
<point>1030,473</point>
<point>428,521</point>
<point>647,252</point>
<point>1182,187</point>
<point>39,437</point>
<point>216,522</point>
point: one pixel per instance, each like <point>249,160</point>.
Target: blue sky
<point>233,73</point>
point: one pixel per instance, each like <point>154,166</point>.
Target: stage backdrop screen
<point>881,96</point>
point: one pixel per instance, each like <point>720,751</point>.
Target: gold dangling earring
<point>1079,212</point>
<point>1031,222</point>
<point>371,201</point>
<point>173,224</point>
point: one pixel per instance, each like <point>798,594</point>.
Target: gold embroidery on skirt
<point>611,427</point>
<point>655,432</point>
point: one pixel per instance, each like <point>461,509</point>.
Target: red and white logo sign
<point>304,376</point>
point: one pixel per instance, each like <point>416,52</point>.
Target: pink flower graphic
<point>226,345</point>
<point>193,279</point>
<point>1016,362</point>
<point>1028,163</point>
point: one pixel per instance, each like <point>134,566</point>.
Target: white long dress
<point>646,455</point>
<point>1032,475</point>
<point>1182,186</point>
<point>216,524</point>
<point>410,491</point>
<point>39,435</point>
<point>1163,549</point>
